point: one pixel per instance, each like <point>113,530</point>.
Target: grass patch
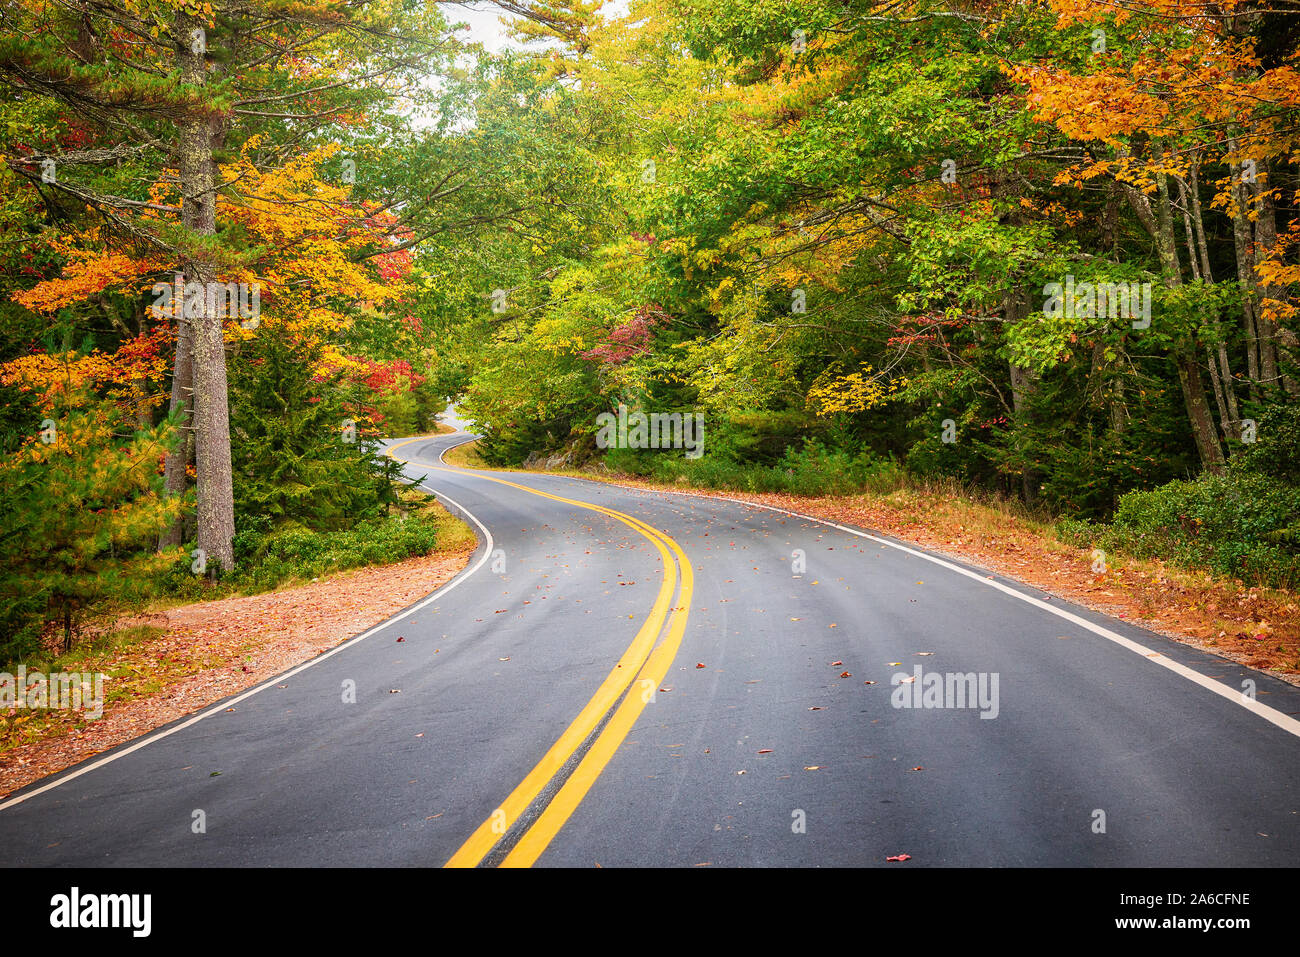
<point>467,457</point>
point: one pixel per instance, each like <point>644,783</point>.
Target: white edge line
<point>1283,721</point>
<point>437,594</point>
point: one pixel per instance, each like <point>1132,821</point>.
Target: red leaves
<point>899,858</point>
<point>631,338</point>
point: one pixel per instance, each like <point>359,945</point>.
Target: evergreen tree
<point>299,457</point>
<point>83,498</point>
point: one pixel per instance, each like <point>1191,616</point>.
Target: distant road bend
<point>858,699</point>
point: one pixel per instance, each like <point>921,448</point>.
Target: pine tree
<point>299,459</point>
<point>83,497</point>
<point>169,89</point>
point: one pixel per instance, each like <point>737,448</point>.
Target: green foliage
<point>812,469</point>
<point>1276,449</point>
<point>19,418</point>
<point>266,559</point>
<point>83,504</point>
<point>297,457</point>
<point>1241,525</point>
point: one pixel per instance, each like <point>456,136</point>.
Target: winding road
<point>622,677</point>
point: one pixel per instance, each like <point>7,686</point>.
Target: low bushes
<point>265,558</point>
<point>1239,524</point>
<point>812,469</point>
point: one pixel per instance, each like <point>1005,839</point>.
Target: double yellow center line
<point>634,679</point>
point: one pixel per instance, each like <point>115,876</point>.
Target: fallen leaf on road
<point>765,751</point>
<point>845,674</point>
<point>900,857</point>
<point>813,767</point>
<point>400,638</point>
<point>894,664</point>
<point>699,664</point>
<point>836,664</point>
<point>868,682</point>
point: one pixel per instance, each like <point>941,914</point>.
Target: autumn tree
<point>166,89</point>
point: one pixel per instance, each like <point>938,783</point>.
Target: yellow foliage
<point>855,392</point>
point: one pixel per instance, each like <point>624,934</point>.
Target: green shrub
<point>1224,523</point>
<point>811,470</point>
<point>1276,449</point>
<point>268,559</point>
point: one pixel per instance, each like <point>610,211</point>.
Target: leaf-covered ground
<point>177,661</point>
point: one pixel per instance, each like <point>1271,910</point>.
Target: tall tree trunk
<point>1198,410</point>
<point>1023,383</point>
<point>216,516</point>
<point>1186,353</point>
<point>1233,424</point>
<point>1241,244</point>
<point>1265,247</point>
<point>1198,256</point>
<point>1186,209</point>
<point>174,469</point>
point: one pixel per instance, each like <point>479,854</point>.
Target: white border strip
<point>436,595</point>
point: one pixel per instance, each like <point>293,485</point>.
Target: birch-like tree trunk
<point>1241,244</point>
<point>1160,224</point>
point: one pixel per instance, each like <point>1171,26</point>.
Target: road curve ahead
<point>631,678</point>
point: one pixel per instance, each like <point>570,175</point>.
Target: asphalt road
<point>1100,744</point>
